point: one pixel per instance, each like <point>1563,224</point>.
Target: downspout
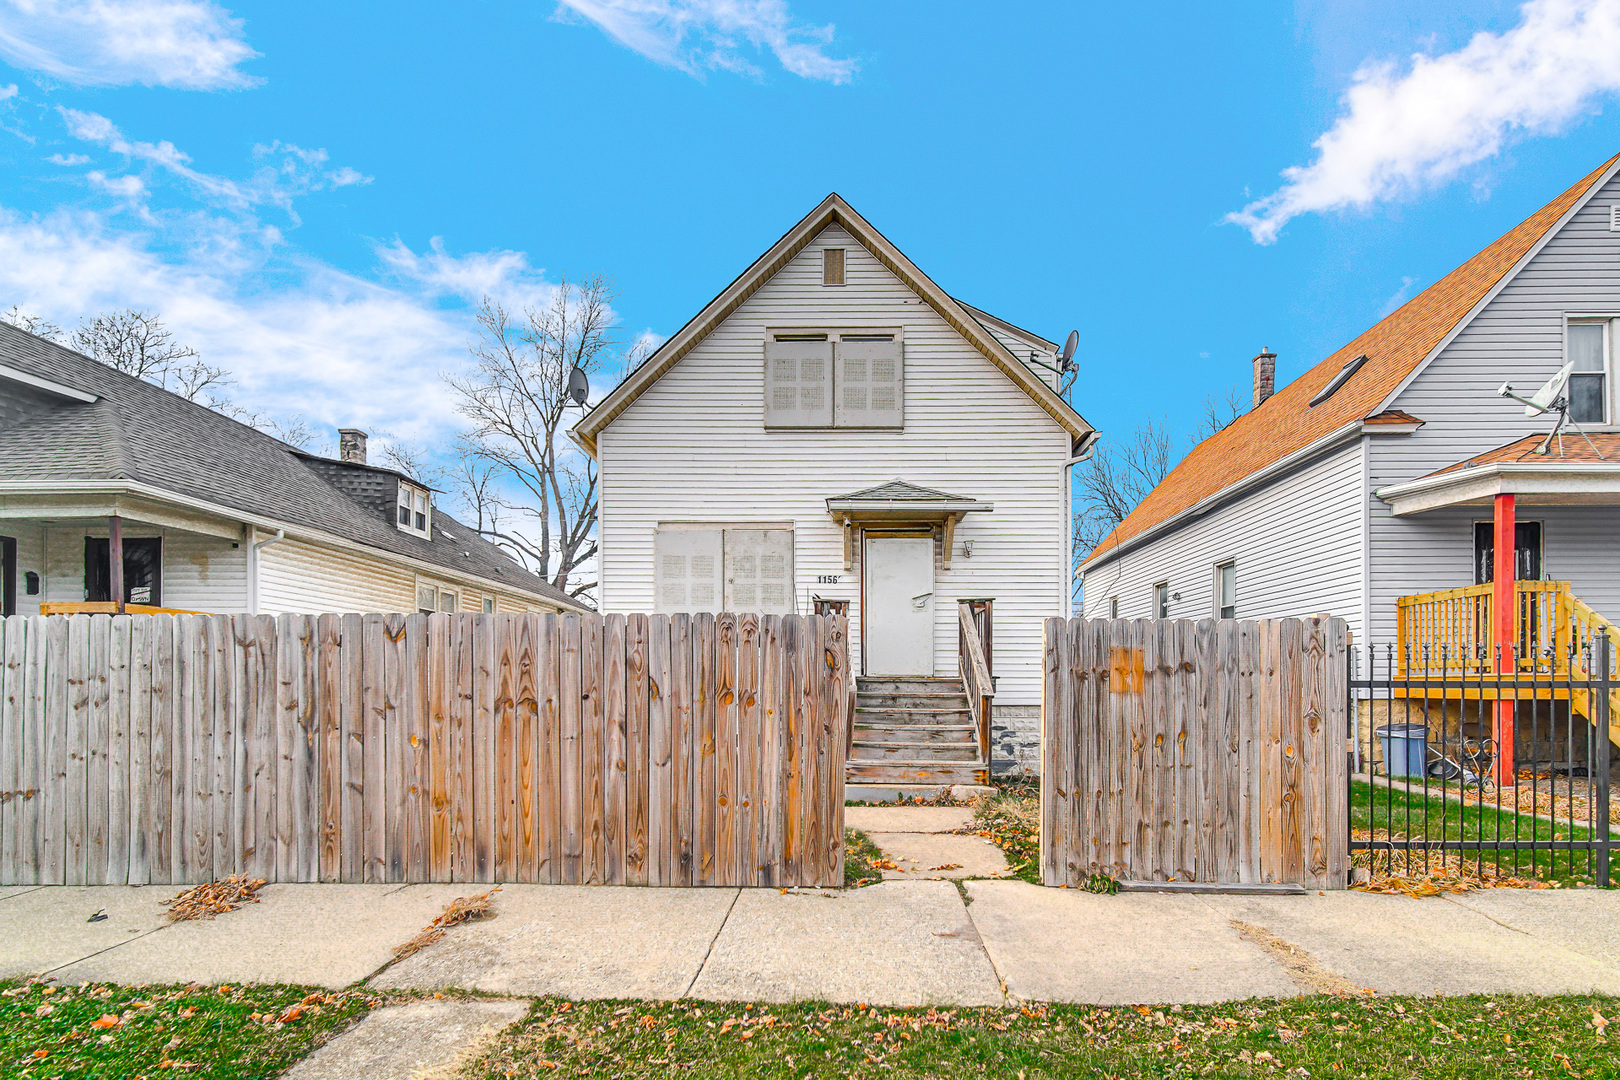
<point>253,565</point>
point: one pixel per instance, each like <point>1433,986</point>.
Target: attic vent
<point>1338,380</point>
<point>865,337</point>
<point>832,266</point>
<point>1614,218</point>
<point>800,337</point>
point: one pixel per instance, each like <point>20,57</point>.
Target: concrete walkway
<point>898,943</point>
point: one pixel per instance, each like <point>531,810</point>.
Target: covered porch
<point>1522,639</point>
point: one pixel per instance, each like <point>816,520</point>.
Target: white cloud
<point>505,276</point>
<point>287,170</point>
<point>1406,129</point>
<point>8,91</point>
<point>68,159</point>
<point>187,44</point>
<point>124,187</point>
<point>696,35</point>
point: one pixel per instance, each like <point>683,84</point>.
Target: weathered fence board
<point>1206,752</point>
<point>666,750</point>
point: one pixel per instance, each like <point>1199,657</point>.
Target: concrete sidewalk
<point>896,943</point>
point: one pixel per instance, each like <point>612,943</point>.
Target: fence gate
<point>641,750</point>
<point>1209,751</point>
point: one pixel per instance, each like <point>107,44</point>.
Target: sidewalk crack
<point>967,909</point>
<point>108,949</point>
<point>1486,915</point>
<point>710,950</point>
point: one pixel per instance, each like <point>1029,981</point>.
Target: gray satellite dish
<point>1066,357</point>
<point>1552,397</point>
<point>579,386</point>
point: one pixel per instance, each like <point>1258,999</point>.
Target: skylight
<point>1338,380</point>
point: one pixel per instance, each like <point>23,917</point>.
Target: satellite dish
<point>579,386</point>
<point>1546,398</point>
<point>1066,357</point>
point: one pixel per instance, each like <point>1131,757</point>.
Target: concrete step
<point>911,685</point>
<point>910,700</point>
<point>917,733</point>
<point>865,750</point>
<point>915,772</point>
<point>912,716</point>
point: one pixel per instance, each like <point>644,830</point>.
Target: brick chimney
<point>1265,379</point>
<point>352,441</point>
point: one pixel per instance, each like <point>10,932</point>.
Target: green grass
<point>1011,820</point>
<point>860,860</point>
<point>224,1033</point>
<point>1446,1038</point>
<point>1397,812</point>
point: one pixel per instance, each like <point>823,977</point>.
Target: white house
<point>1389,472</point>
<point>107,479</point>
<point>835,433</point>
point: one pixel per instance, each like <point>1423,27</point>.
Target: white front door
<point>899,617</point>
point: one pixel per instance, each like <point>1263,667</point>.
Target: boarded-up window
<point>688,570</point>
<point>832,266</point>
<point>870,383</point>
<point>718,569</point>
<point>798,383</point>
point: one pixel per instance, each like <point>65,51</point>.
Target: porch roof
<point>1577,473</point>
<point>902,500</point>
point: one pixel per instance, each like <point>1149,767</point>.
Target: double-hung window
<point>1589,371</point>
<point>834,379</point>
<point>415,510</point>
<point>1226,590</point>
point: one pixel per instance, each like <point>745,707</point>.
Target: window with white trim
<point>415,513</point>
<point>489,605</point>
<point>1113,607</point>
<point>1226,590</point>
<point>433,598</point>
<point>834,378</point>
<point>1588,355</point>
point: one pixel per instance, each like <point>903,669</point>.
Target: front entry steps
<point>914,732</point>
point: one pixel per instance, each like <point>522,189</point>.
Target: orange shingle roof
<point>1575,451</point>
<point>1285,423</point>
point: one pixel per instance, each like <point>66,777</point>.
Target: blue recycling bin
<point>1406,749</point>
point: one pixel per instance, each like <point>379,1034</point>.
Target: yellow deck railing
<point>1447,635</point>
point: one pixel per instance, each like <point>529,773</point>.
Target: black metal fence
<point>1461,768</point>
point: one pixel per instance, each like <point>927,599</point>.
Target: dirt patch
<point>1301,966</point>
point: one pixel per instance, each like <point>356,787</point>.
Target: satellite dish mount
<point>1552,397</point>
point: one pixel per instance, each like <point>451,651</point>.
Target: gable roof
<point>833,210</point>
<point>138,432</point>
<point>1286,424</point>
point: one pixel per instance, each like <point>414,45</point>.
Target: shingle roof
<point>1575,451</point>
<point>902,491</point>
<point>137,431</point>
<point>1286,423</point>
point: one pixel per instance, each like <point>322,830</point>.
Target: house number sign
<point>826,579</point>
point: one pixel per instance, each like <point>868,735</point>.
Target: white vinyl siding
<point>695,447</point>
<point>798,384</point>
<point>1298,541</point>
<point>199,573</point>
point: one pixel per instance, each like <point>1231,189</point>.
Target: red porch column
<point>1504,608</point>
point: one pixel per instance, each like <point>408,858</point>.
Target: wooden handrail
<point>975,675</point>
<point>107,607</point>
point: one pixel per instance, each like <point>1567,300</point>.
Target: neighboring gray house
<point>212,515</point>
<point>1372,481</point>
<point>1354,485</point>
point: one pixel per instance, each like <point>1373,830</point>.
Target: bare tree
<point>1117,477</point>
<point>33,324</point>
<point>538,499</point>
<point>1219,413</point>
<point>137,343</point>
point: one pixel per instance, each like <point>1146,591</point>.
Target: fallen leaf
<point>947,866</point>
<point>111,1020</point>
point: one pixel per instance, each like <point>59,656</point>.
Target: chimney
<point>352,441</point>
<point>1265,379</point>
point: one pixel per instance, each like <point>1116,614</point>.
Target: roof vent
<point>1338,380</point>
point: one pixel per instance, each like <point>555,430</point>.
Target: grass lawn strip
<point>223,1033</point>
<point>1400,814</point>
<point>1011,820</point>
<point>863,862</point>
<point>1320,1036</point>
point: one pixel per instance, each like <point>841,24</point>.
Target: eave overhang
<point>1533,484</point>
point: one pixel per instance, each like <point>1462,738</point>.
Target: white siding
<point>30,556</point>
<point>200,573</point>
<point>306,578</point>
<point>1517,338</point>
<point>693,447</point>
<point>1297,544</point>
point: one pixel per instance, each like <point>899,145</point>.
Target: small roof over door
<point>899,501</point>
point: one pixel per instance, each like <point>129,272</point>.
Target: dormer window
<point>415,509</point>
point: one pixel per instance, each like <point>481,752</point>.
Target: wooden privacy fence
<point>654,750</point>
<point>1195,751</point>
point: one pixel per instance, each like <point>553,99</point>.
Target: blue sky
<point>314,194</point>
